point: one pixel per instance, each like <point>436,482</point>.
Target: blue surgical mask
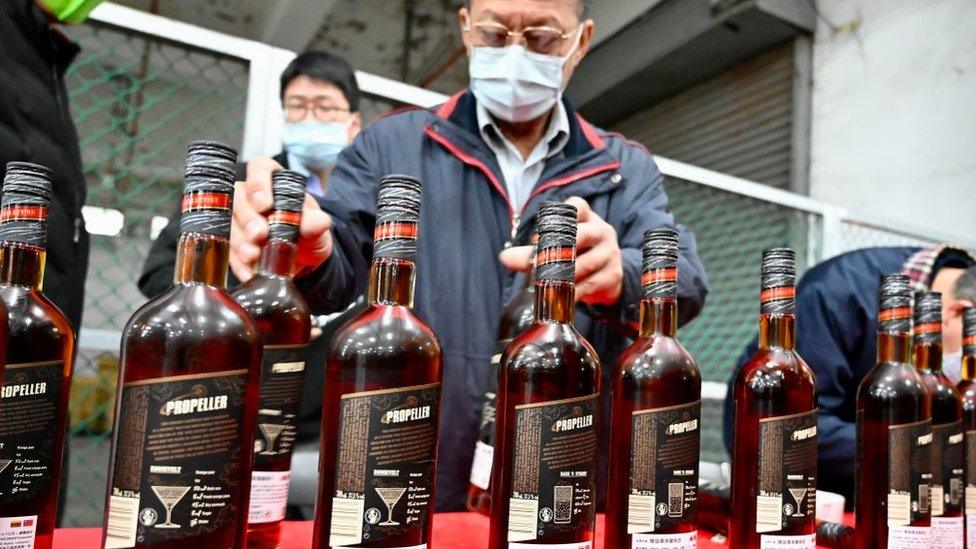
<point>952,365</point>
<point>316,144</point>
<point>515,84</point>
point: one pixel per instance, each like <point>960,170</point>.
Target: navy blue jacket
<point>836,324</point>
<point>466,220</point>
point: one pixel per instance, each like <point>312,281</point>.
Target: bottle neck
<point>928,356</point>
<point>278,258</point>
<point>555,301</point>
<point>658,316</point>
<point>22,265</point>
<point>777,330</point>
<point>894,347</point>
<point>202,259</point>
<point>391,282</point>
<point>969,367</point>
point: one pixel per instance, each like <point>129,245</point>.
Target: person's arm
<point>157,271</point>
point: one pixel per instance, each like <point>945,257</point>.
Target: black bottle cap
<point>928,317</point>
<point>778,287</point>
<point>895,304</point>
<point>556,252</point>
<point>209,188</point>
<point>969,331</point>
<point>23,207</point>
<point>397,217</point>
<point>288,188</point>
<point>660,263</point>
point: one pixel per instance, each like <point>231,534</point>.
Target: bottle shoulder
<point>775,362</point>
<point>192,311</point>
<point>892,381</point>
<point>385,330</point>
<point>32,317</point>
<point>549,345</point>
<point>657,356</point>
<point>271,298</point>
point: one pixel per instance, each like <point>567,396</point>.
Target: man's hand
<point>599,270</point>
<point>249,226</point>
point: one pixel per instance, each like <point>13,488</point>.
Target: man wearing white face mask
<point>837,316</point>
<point>487,159</point>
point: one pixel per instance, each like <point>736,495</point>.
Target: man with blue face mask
<point>488,158</point>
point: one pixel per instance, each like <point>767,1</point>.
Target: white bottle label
<point>808,541</point>
<point>18,532</point>
<point>481,466</point>
<point>908,537</point>
<point>687,540</point>
<point>575,545</point>
<point>269,496</point>
<point>971,531</point>
<point>947,532</point>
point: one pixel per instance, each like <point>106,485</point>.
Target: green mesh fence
<point>137,101</point>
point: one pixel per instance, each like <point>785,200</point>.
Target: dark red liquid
<point>385,347</point>
<point>282,317</point>
<point>517,317</point>
<point>196,327</point>
<point>38,332</point>
<point>774,382</point>
<point>967,389</point>
<point>654,372</point>
<point>892,393</point>
<point>549,361</point>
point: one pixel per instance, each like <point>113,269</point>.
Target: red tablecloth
<point>451,531</point>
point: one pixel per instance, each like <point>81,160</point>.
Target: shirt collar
<point>556,135</point>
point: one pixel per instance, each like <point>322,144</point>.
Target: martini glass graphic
<point>169,496</point>
<point>390,497</point>
<point>798,494</point>
<point>270,432</point>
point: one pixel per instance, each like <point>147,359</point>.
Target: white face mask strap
<point>576,38</point>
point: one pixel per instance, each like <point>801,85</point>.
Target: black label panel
<point>554,467</point>
<point>384,464</point>
<point>177,457</point>
<point>947,471</point>
<point>282,375</point>
<point>663,467</point>
<point>909,472</point>
<point>787,471</point>
<point>29,401</point>
<point>491,395</point>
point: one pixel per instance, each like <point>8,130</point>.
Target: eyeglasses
<point>296,112</point>
<point>543,40</point>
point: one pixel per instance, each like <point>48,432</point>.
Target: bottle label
<point>663,467</point>
<point>909,537</point>
<point>574,545</point>
<point>554,470</point>
<point>29,402</point>
<point>18,532</point>
<point>970,492</point>
<point>282,375</point>
<point>269,496</point>
<point>385,464</point>
<point>686,540</point>
<point>947,471</point>
<point>481,465</point>
<point>177,457</point>
<point>787,472</point>
<point>947,532</point>
<point>803,541</point>
<point>909,476</point>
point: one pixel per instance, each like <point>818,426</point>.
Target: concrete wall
<point>894,109</point>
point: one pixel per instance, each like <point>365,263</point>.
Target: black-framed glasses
<point>296,112</point>
<point>540,39</point>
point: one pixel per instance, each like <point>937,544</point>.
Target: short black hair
<point>582,7</point>
<point>326,67</point>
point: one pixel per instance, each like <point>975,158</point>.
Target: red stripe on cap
<point>552,255</point>
<point>897,313</point>
<point>23,212</point>
<point>659,275</point>
<point>389,231</point>
<point>928,328</point>
<point>776,294</point>
<point>206,201</point>
<point>286,218</point>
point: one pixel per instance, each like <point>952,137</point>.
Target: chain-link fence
<point>137,100</point>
